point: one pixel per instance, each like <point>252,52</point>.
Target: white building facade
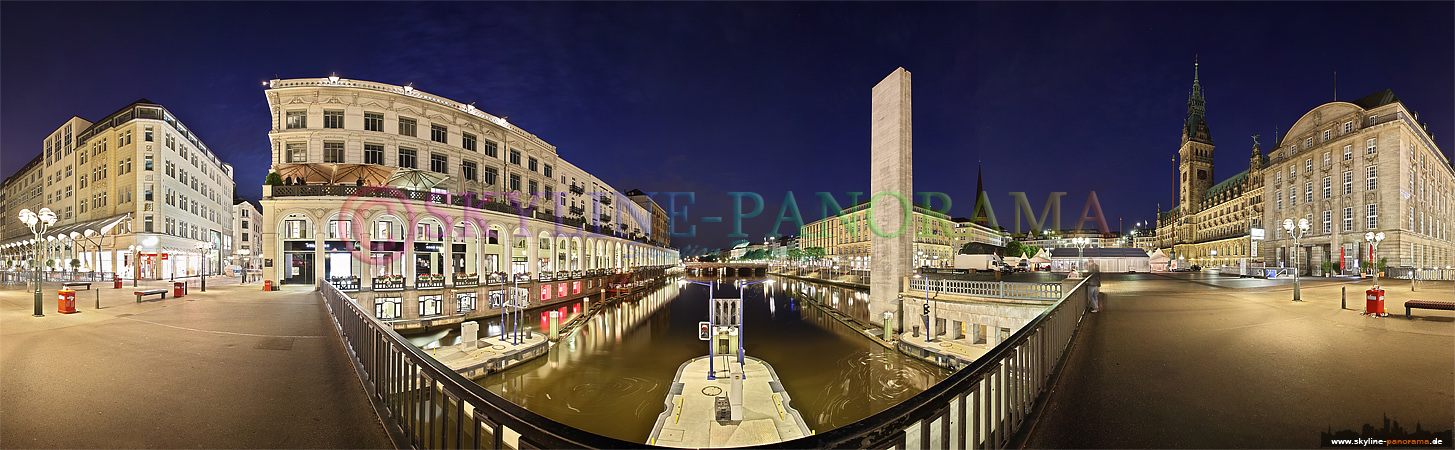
<point>403,183</point>
<point>134,193</point>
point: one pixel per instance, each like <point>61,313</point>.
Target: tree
<point>274,179</point>
<point>1014,249</point>
<point>1031,251</point>
<point>795,254</point>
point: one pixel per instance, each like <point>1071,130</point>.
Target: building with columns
<point>134,193</point>
<point>846,237</point>
<point>1353,167</point>
<point>389,181</point>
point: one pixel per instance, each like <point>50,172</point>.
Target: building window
<point>1328,133</point>
<point>333,152</point>
<point>387,308</point>
<point>1348,152</point>
<point>1308,165</point>
<point>147,193</point>
<point>1371,216</point>
<point>373,154</point>
<point>467,170</point>
<point>491,149</point>
<point>531,164</point>
<point>1328,159</point>
<point>333,119</point>
<point>1370,145</point>
<point>490,175</point>
<point>1371,178</point>
<point>439,133</point>
<point>1292,196</point>
<point>514,182</point>
<point>429,305</point>
<point>407,126</point>
<point>1308,192</point>
<point>1373,119</point>
<point>1278,178</point>
<point>1412,217</point>
<point>1348,218</point>
<point>439,163</point>
<point>1292,173</point>
<point>1309,142</point>
<point>1328,188</point>
<point>1328,222</point>
<point>515,157</point>
<point>373,121</point>
<point>464,302</point>
<point>547,172</point>
<point>148,133</point>
<point>407,158</point>
<point>1348,126</point>
<point>1278,196</point>
<point>467,141</point>
<point>297,153</point>
<point>295,120</point>
<point>1348,182</point>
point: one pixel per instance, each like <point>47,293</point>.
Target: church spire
<point>1196,126</point>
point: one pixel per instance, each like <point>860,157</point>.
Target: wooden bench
<point>87,284</point>
<point>145,292</point>
<point>1427,304</point>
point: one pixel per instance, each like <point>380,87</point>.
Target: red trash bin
<point>179,289</point>
<point>1374,302</point>
<point>267,285</point>
<point>116,281</point>
<point>66,301</point>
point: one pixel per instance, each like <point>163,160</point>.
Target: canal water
<point>611,377</point>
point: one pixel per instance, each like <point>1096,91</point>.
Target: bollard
<point>98,299</point>
<point>469,335</point>
<point>1343,297</point>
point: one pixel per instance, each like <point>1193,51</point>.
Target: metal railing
<point>432,406</point>
<point>983,405</point>
<point>1001,289</point>
<point>26,276</point>
<point>1409,273</point>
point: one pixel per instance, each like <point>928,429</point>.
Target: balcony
<point>466,280</point>
<point>345,284</point>
<point>359,191</point>
<point>429,281</point>
<point>606,201</point>
<point>388,283</point>
<point>578,189</point>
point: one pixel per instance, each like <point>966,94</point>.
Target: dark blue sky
<point>764,97</point>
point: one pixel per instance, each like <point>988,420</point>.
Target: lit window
<point>295,120</point>
<point>333,119</point>
<point>407,126</point>
<point>333,152</point>
<point>373,121</point>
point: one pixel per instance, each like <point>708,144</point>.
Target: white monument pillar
<point>892,194</point>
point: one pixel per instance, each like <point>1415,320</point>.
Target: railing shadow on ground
<point>426,405</point>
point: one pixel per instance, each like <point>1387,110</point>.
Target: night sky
<point>759,97</point>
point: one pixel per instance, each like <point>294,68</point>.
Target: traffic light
<point>702,331</point>
<point>927,308</point>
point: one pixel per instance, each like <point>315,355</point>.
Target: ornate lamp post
<point>1302,228</point>
<point>1080,244</point>
<point>206,249</point>
<point>1374,239</point>
<point>38,224</point>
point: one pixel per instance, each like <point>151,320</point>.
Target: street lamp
<point>1080,244</point>
<point>1214,256</point>
<point>206,249</point>
<point>1374,239</point>
<point>38,224</point>
<point>1302,228</point>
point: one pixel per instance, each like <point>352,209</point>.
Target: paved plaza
<point>1207,361</point>
<point>234,367</point>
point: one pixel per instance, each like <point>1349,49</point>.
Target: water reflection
<point>611,377</point>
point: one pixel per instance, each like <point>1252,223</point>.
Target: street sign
<point>703,331</point>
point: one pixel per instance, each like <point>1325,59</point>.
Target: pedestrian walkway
<point>1247,367</point>
<point>233,367</point>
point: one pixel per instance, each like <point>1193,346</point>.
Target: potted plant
<point>1327,267</point>
<point>75,265</point>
